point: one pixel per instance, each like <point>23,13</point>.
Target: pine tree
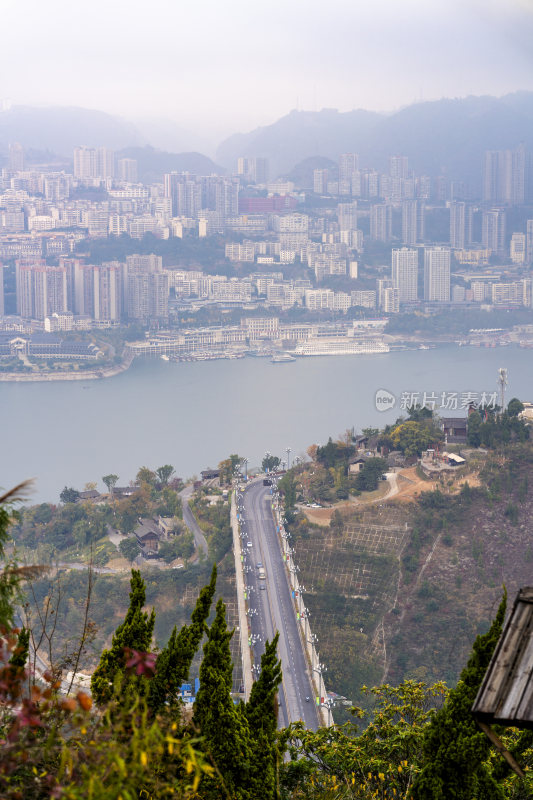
<point>454,748</point>
<point>134,633</point>
<point>174,661</point>
<point>22,650</point>
<point>223,725</point>
<point>261,713</point>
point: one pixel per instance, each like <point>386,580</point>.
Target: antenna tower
<point>502,381</point>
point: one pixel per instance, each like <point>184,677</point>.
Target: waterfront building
<point>41,290</point>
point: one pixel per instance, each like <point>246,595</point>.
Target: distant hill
<point>300,135</point>
<point>444,135</point>
<point>152,163</point>
<point>302,173</point>
<point>60,129</point>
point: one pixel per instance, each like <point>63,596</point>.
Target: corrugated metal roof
<point>506,694</point>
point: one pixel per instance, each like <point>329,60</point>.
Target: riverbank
<point>62,375</point>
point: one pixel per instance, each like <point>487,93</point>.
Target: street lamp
<point>288,451</point>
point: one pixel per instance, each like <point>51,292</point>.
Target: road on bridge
<point>272,608</point>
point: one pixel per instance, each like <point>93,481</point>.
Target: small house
<point>455,429</point>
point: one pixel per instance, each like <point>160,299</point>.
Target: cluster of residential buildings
<point>45,214</point>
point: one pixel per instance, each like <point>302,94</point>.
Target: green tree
<point>514,407</point>
<point>174,661</point>
<point>145,475</point>
<point>69,495</point>
<point>454,749</point>
<point>270,463</point>
<point>130,548</point>
<point>369,476</point>
<point>22,650</point>
<point>223,725</point>
<point>110,481</point>
<point>262,715</point>
<point>474,429</point>
<point>164,473</point>
<point>11,576</point>
<point>134,633</point>
<point>412,437</point>
<point>178,547</point>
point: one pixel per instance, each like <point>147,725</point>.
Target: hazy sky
<point>227,66</point>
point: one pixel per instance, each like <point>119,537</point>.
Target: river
<point>192,415</point>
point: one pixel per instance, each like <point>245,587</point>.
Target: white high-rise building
<point>413,213</point>
<point>529,241</point>
<point>348,166</point>
<point>127,170</point>
<point>493,231</point>
<point>437,274</point>
<point>347,216</point>
<point>405,273</point>
<point>518,248</point>
<point>381,222</point>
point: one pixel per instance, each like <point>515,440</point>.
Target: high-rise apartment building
<point>493,230</point>
<point>399,167</point>
<point>185,192</point>
<point>517,250</point>
<point>413,213</point>
<point>41,290</point>
<point>460,225</point>
<point>381,222</point>
<point>504,176</point>
<point>348,167</point>
<point>2,306</point>
<point>347,216</point>
<point>16,157</point>
<point>405,273</point>
<point>529,241</point>
<point>437,274</point>
<point>127,170</point>
<point>93,163</point>
<point>253,170</point>
<point>320,181</point>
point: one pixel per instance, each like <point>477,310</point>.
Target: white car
<point>248,544</point>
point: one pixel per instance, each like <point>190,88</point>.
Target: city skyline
<point>234,68</point>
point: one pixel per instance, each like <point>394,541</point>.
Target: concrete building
<point>504,176</point>
<point>437,274</point>
<point>413,213</point>
<point>493,230</point>
<point>348,166</point>
<point>517,250</point>
<point>347,216</point>
<point>41,290</point>
<point>460,225</point>
<point>405,273</point>
<point>127,170</point>
<point>381,222</point>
